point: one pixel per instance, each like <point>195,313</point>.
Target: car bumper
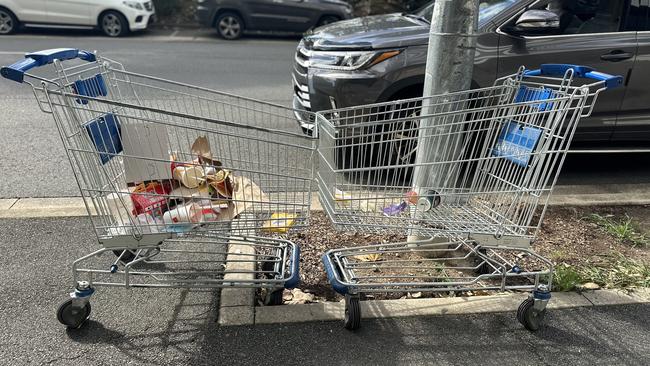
<point>319,90</point>
<point>139,19</point>
<point>203,15</point>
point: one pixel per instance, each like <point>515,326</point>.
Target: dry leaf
<point>373,257</point>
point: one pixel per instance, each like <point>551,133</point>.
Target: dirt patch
<point>568,236</point>
<point>318,238</point>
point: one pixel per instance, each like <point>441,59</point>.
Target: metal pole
<point>450,62</point>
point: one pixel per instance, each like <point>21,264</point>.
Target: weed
<point>616,271</point>
<point>560,255</point>
<point>566,278</point>
<point>624,229</point>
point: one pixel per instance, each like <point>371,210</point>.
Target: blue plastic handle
<point>293,281</point>
<point>558,70</point>
<point>16,72</point>
<point>329,268</point>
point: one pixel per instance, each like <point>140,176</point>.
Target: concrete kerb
<point>615,195</point>
<point>237,305</point>
<point>328,311</point>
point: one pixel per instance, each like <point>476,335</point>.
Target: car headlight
<point>349,61</point>
<point>133,4</point>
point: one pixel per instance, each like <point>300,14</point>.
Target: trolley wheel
<point>530,318</point>
<point>274,298</point>
<point>352,313</point>
<point>72,317</point>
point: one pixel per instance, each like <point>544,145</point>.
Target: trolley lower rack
<point>207,260</point>
<point>439,265</point>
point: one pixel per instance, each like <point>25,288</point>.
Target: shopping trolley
<point>172,176</point>
<point>467,173</point>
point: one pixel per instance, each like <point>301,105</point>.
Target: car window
<point>488,9</point>
<point>637,16</point>
<point>587,16</point>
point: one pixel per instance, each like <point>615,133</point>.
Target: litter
<point>158,195</point>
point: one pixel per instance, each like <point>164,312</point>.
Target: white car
<point>113,17</point>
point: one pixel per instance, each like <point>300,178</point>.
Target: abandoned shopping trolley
<point>476,166</point>
<point>173,175</point>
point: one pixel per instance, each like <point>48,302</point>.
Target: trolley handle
<point>16,71</point>
<point>559,70</point>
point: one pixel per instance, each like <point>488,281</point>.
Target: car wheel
<point>229,26</point>
<point>328,19</point>
<point>383,145</point>
<point>8,22</point>
<point>114,24</point>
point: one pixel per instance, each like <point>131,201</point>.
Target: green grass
<point>566,278</point>
<point>615,271</point>
<point>623,229</point>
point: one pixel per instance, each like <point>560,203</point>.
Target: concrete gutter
<point>588,195</point>
<point>329,311</point>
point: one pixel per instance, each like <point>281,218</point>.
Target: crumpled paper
<point>297,297</point>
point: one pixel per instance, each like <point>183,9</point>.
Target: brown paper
<point>246,194</point>
<point>201,148</point>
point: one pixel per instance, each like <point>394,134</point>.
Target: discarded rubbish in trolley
<point>165,168</point>
<point>473,170</point>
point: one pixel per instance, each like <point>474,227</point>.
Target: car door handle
<point>616,56</point>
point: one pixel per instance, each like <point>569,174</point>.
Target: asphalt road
<point>175,327</point>
<point>33,163</point>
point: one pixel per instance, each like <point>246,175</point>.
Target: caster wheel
<point>530,318</point>
<point>352,313</point>
<point>72,317</point>
<point>274,298</point>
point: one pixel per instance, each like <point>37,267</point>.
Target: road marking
<point>174,33</point>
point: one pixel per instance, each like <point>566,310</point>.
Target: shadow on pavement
<point>577,336</point>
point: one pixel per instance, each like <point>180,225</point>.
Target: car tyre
<point>8,22</point>
<point>229,25</point>
<point>113,24</point>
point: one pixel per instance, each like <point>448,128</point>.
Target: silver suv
<point>382,58</point>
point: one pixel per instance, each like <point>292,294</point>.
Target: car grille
<point>301,67</point>
<point>148,5</point>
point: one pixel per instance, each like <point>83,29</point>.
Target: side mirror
<point>537,22</point>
